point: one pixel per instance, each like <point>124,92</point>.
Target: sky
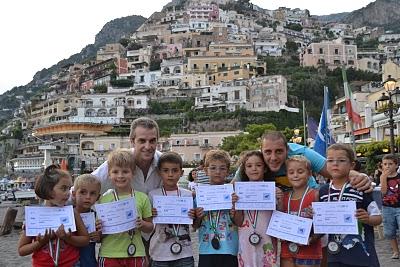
<point>36,34</point>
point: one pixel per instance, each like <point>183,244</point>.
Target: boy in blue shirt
<point>218,236</point>
<point>85,194</point>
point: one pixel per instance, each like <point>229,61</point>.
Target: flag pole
<point>352,138</point>
<point>304,124</point>
<point>350,108</point>
<point>326,104</point>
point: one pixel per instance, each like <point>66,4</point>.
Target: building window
<point>197,157</point>
<point>141,78</point>
<point>237,94</point>
<point>225,74</point>
<point>138,102</point>
<point>336,51</point>
<point>236,72</point>
<point>321,50</point>
<point>112,146</point>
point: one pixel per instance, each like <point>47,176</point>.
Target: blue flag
<point>324,137</point>
<point>312,127</point>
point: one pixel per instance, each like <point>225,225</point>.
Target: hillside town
<point>209,52</point>
<point>214,133</point>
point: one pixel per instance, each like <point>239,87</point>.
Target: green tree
<point>294,26</point>
<point>124,42</point>
<point>100,89</point>
<point>155,64</point>
<point>234,145</point>
<point>16,131</point>
<point>121,83</point>
<point>257,130</point>
<point>291,47</point>
<point>246,141</point>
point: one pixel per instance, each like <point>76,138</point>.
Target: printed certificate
<point>255,195</point>
<point>214,197</point>
<point>337,217</point>
<point>172,209</point>
<point>89,221</point>
<point>289,227</point>
<point>38,219</point>
<point>117,216</point>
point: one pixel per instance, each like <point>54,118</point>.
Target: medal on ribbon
<point>131,249</point>
<point>293,247</point>
<point>254,238</point>
<point>175,247</point>
<point>55,255</point>
<point>335,244</point>
<point>214,225</point>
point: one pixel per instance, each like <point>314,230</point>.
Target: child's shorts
<point>117,262</point>
<point>391,221</point>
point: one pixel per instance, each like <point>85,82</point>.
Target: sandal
<point>395,256</point>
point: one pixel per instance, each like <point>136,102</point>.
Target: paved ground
<point>9,256</point>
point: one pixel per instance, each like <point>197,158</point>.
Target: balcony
<point>206,146</point>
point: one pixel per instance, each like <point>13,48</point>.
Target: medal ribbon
<point>341,191</point>
<point>301,202</point>
<point>117,197</point>
<point>175,227</point>
<point>131,232</point>
<point>253,218</point>
<point>57,256</point>
<point>214,224</point>
<point>337,238</point>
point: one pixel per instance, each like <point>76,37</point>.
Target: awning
<point>361,131</point>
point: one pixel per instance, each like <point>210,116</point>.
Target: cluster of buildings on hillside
<point>191,49</point>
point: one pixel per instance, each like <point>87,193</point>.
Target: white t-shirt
<point>152,181</point>
<point>161,241</point>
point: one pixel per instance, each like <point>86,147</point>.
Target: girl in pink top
<point>256,248</point>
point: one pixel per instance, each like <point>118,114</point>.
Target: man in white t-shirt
<point>143,136</point>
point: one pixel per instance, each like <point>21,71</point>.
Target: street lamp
<point>46,147</point>
<point>387,104</point>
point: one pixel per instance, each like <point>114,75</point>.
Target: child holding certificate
<point>59,248</point>
<point>298,202</point>
<point>350,250</point>
<point>125,249</point>
<point>218,237</point>
<point>85,194</point>
<point>171,245</point>
<point>390,188</point>
<point>256,248</point>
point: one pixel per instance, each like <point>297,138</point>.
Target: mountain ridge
<point>112,31</point>
<point>374,14</point>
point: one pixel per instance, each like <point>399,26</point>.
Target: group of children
<point>226,237</point>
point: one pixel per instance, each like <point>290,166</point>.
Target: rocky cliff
<point>385,13</point>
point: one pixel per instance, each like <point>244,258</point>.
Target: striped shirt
<point>202,177</point>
